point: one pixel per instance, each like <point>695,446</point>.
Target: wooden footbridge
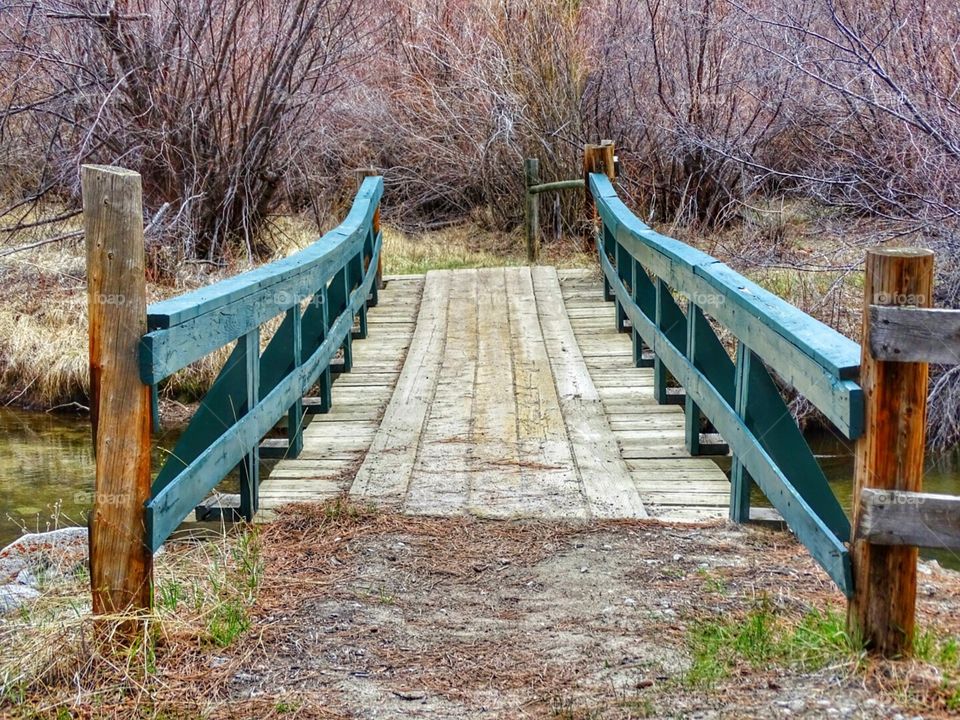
<point>508,393</point>
<point>502,393</point>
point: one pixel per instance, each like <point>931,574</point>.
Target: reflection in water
<point>46,470</point>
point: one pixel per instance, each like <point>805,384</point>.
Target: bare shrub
<point>687,98</point>
<point>211,101</point>
<point>459,94</point>
<point>883,138</point>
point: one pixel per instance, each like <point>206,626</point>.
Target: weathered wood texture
<point>335,442</point>
<point>495,413</point>
<point>889,456</point>
<point>672,485</point>
<point>120,563</point>
<point>893,517</point>
<point>910,334</point>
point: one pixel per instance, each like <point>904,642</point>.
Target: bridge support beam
<point>889,456</point>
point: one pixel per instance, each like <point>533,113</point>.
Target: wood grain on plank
<point>606,480</point>
<point>385,474</point>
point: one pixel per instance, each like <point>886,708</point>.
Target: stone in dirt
<point>38,557</point>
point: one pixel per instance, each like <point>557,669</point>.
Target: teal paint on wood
<point>695,322</point>
<point>337,294</point>
<point>249,348</point>
<point>608,240</point>
<point>295,413</point>
<point>164,351</point>
<point>174,501</point>
<point>767,416</point>
<point>740,482</point>
<point>254,391</point>
<point>812,357</point>
<point>154,408</point>
<point>644,296</point>
<point>224,403</point>
<point>315,323</point>
<point>821,541</point>
<point>672,323</point>
<point>262,280</point>
<point>624,271</point>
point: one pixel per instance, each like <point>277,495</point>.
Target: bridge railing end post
<point>889,456</point>
<point>121,564</point>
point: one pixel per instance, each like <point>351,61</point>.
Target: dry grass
<point>43,302</point>
<point>336,609</point>
<point>467,246</point>
<point>56,661</point>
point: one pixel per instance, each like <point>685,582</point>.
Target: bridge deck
<point>518,399</point>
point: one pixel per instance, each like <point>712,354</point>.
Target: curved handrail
<point>644,270</point>
<point>335,277</point>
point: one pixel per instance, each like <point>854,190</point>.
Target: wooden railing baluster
<point>691,411</point>
<point>295,414</point>
<point>740,482</point>
<point>249,348</point>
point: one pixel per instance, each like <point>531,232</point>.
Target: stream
<point>46,472</point>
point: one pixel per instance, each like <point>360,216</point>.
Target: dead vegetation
<point>338,611</point>
<point>726,114</point>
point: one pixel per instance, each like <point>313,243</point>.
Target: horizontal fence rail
<point>319,292</point>
<point>669,292</point>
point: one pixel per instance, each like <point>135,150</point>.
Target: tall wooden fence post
<point>597,159</point>
<point>532,220</point>
<point>889,456</point>
<point>120,562</point>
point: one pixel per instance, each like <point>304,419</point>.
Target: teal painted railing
<point>336,278</point>
<point>644,273</point>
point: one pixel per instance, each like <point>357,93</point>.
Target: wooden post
<point>889,456</point>
<point>120,562</point>
<point>532,224</point>
<point>597,159</point>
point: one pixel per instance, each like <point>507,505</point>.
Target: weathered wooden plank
<point>547,468</point>
<point>444,442</point>
<point>607,484</point>
<point>120,565</point>
<point>385,473</point>
<point>912,334</point>
<point>496,453</point>
<point>895,517</point>
<point>353,426</point>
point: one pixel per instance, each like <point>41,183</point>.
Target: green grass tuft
<point>763,637</point>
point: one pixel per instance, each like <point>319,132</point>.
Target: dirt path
<point>383,616</point>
